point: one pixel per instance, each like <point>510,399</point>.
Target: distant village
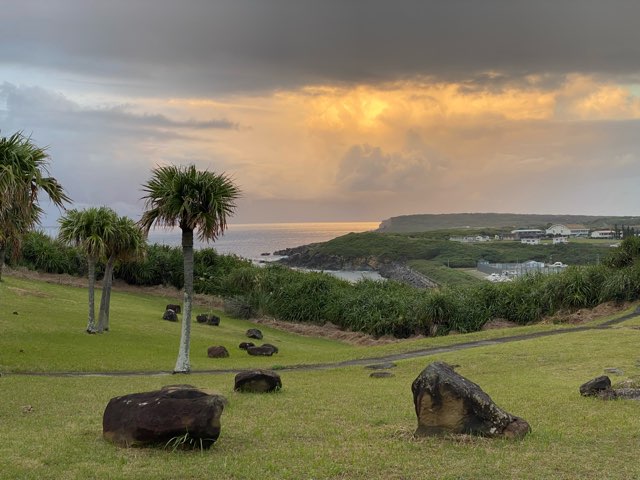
<point>555,234</point>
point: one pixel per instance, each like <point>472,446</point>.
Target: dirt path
<point>363,361</point>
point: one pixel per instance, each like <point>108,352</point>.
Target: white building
<point>603,234</point>
<point>558,229</point>
<point>578,230</point>
<point>530,241</point>
<point>560,240</point>
<point>527,232</point>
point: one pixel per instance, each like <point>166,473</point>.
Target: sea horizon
<point>258,241</point>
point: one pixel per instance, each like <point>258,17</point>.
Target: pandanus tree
<point>90,230</point>
<point>124,241</point>
<point>24,174</point>
<point>196,201</point>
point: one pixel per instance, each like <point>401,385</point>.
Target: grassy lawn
<point>328,424</point>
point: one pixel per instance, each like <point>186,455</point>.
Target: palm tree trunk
<point>182,364</point>
<point>105,299</point>
<point>2,255</point>
<point>91,324</point>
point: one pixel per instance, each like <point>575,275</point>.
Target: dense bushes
<point>378,308</point>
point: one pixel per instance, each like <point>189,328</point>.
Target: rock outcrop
<point>257,381</point>
<point>447,403</point>
<point>158,417</point>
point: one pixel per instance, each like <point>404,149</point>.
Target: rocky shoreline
<point>305,257</point>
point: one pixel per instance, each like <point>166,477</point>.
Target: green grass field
<point>323,424</point>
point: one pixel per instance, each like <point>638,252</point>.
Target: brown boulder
<point>446,402</point>
<point>160,416</point>
<point>257,381</point>
<point>254,333</point>
<point>217,351</point>
<point>245,345</point>
<point>261,351</point>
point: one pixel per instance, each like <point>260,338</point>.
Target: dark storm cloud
<point>211,46</point>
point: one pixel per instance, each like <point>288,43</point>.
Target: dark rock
<point>217,351</point>
<point>627,393</point>
<point>213,320</point>
<point>381,374</point>
<point>257,381</point>
<point>265,254</point>
<point>155,418</point>
<point>170,315</point>
<point>15,313</point>
<point>447,403</point>
<point>260,351</point>
<point>272,347</point>
<point>254,333</point>
<point>381,366</point>
<point>593,387</point>
<point>174,307</point>
<point>245,345</point>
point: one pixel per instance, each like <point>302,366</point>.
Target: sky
<point>326,110</point>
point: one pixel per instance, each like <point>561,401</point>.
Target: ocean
<point>255,241</point>
<point>251,241</point>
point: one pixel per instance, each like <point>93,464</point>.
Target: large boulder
<point>261,351</point>
<point>174,307</point>
<point>257,381</point>
<point>245,345</point>
<point>170,315</point>
<point>272,347</point>
<point>217,351</point>
<point>254,333</point>
<point>595,386</point>
<point>448,403</point>
<point>158,417</point>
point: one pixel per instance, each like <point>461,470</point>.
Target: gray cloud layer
<point>203,46</point>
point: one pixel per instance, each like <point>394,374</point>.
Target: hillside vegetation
<point>426,222</point>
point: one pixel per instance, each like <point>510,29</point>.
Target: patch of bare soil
<point>328,330</point>
<point>585,315</point>
<point>498,323</point>
<point>21,292</point>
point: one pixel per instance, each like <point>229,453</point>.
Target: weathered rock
<point>614,371</point>
<point>446,402</point>
<point>217,351</point>
<point>595,386</point>
<point>159,416</point>
<point>245,345</point>
<point>257,381</point>
<point>170,315</point>
<point>174,307</point>
<point>272,347</point>
<point>260,351</point>
<point>254,333</point>
<point>208,319</point>
<point>381,375</point>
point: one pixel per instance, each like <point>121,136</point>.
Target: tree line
<point>193,200</point>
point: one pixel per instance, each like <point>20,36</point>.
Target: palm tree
<point>192,200</point>
<point>89,230</point>
<point>125,241</point>
<point>23,175</point>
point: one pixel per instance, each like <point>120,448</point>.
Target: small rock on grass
<point>381,366</point>
<point>381,374</point>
